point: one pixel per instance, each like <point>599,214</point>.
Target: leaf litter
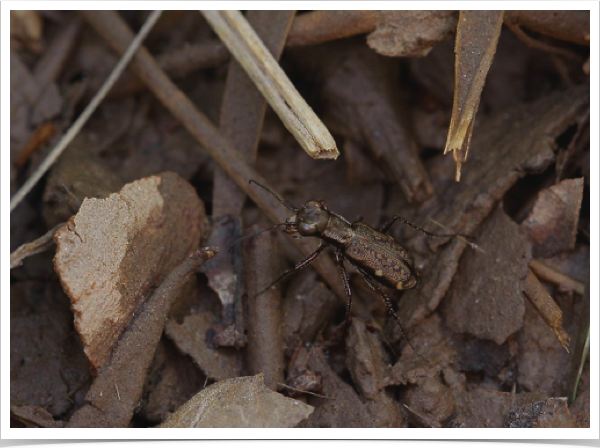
<point>374,379</point>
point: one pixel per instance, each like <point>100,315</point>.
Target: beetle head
<point>310,220</point>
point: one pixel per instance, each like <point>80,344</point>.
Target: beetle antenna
<point>252,235</point>
<point>288,206</point>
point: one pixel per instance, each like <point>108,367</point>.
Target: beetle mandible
<point>380,258</point>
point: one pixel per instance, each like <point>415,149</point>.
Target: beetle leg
<point>390,309</point>
<point>395,218</point>
<point>308,260</point>
<point>339,257</point>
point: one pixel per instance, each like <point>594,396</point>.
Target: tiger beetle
<point>380,258</point>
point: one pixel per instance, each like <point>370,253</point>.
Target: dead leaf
<point>552,224</point>
<point>191,338</point>
<point>486,298</point>
<point>171,381</point>
<point>410,33</point>
<point>116,250</point>
<point>551,413</point>
<point>476,39</point>
<point>243,402</point>
<point>368,364</point>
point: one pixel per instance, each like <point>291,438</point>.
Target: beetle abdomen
<point>381,257</point>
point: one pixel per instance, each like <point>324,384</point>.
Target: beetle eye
<point>307,229</point>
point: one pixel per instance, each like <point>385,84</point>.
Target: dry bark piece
<point>552,224</point>
<point>265,341</point>
<point>548,309</point>
<point>116,250</point>
<point>47,365</point>
<point>117,389</point>
<point>193,337</point>
<point>476,39</point>
<point>243,402</point>
<point>486,298</point>
<point>368,365</point>
<point>551,413</point>
<point>410,33</point>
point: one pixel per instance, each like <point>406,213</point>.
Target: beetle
<point>379,257</point>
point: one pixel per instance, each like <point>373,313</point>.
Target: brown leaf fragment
<point>342,408</point>
<point>116,250</point>
<point>516,142</point>
<point>551,413</point>
<point>193,337</point>
<point>243,402</point>
<point>476,39</point>
<point>431,401</point>
<point>308,306</point>
<point>43,243</point>
<point>543,363</point>
<point>368,365</point>
<point>118,387</point>
<point>482,408</point>
<point>172,380</point>
<point>410,33</point>
<point>547,307</point>
<point>552,224</point>
<point>34,417</point>
<point>486,298</point>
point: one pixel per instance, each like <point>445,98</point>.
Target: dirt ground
<point>121,318</point>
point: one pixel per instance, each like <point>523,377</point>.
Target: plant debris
<point>130,328</point>
<point>552,224</point>
<point>110,255</point>
<point>243,402</point>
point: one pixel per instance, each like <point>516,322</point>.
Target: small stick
<point>305,391</point>
<point>297,116</point>
<point>44,242</point>
<point>85,115</point>
<point>551,275</point>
